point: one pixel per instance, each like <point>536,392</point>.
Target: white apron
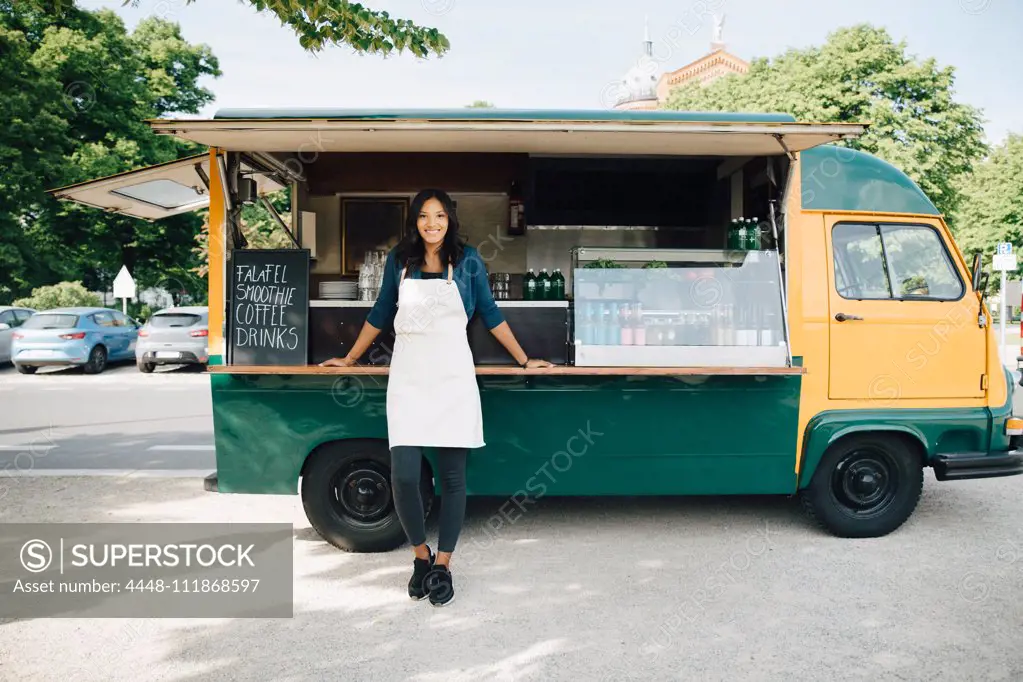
<point>432,396</point>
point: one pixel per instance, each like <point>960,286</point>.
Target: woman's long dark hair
<point>411,251</point>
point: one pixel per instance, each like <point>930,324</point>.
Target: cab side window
<point>7,317</point>
<point>890,261</point>
<point>21,316</point>
<point>103,319</point>
<point>120,320</point>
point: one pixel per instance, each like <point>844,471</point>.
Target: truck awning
<point>158,191</point>
<point>494,131</point>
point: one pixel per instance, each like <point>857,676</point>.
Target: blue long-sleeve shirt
<point>470,275</point>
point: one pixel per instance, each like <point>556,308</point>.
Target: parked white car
<point>10,319</point>
<point>174,336</point>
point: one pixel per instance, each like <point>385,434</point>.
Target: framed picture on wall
<point>369,223</point>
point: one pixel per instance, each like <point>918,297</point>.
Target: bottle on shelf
<point>543,286</point>
<point>625,321</point>
<point>753,234</point>
<point>529,286</point>
<point>587,330</point>
<point>557,285</point>
<point>638,326</point>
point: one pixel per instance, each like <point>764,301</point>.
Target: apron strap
<point>450,272</point>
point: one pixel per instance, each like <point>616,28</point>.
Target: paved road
<point>120,420</point>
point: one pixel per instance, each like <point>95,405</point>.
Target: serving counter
<point>497,370</point>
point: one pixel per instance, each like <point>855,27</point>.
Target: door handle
<point>842,317</point>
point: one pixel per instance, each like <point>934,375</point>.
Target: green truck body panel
<point>581,435</point>
<point>487,114</point>
<point>553,435</point>
<point>835,178</point>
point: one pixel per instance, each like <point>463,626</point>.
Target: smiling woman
<point>433,366</point>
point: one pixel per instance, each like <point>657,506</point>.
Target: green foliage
<point>258,227</point>
<point>319,23</point>
<point>861,75</point>
<point>992,206</point>
<point>63,295</point>
<point>480,104</point>
<point>77,88</point>
<point>604,263</point>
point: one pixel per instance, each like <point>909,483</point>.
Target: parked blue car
<point>90,337</point>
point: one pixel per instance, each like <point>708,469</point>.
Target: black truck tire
<point>346,494</point>
<point>865,486</point>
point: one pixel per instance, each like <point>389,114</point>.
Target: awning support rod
<point>276,216</point>
<point>781,141</point>
<point>202,175</point>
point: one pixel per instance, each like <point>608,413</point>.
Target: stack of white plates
<point>347,291</point>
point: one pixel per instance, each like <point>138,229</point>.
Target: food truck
<point>750,307</point>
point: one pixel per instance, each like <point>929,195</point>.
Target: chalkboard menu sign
<point>269,307</point>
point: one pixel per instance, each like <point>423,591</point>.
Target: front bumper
<point>960,466</point>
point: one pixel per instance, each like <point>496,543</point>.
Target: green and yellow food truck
<point>751,307</point>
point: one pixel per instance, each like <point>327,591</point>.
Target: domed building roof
<point>638,87</point>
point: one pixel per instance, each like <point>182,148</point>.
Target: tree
<point>319,23</point>
<point>992,206</point>
<point>480,104</point>
<point>33,138</point>
<point>80,89</point>
<point>861,75</point>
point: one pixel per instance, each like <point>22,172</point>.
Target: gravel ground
<point>594,589</point>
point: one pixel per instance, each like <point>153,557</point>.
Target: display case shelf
<point>709,308</point>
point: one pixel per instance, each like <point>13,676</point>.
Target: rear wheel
<point>97,360</point>
<point>865,486</point>
<point>26,369</point>
<point>146,367</point>
<point>346,493</point>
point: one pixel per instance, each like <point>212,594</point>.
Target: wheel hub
<point>362,492</point>
<point>865,482</point>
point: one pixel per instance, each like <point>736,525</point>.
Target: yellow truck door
<point>903,320</point>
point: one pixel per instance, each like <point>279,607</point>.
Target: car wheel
<point>97,360</point>
<point>346,493</point>
<point>26,369</point>
<point>865,486</point>
<point>146,367</point>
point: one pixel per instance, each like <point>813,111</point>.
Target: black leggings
<point>406,469</point>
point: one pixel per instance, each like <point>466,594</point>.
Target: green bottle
<point>558,285</point>
<point>543,286</point>
<point>529,286</point>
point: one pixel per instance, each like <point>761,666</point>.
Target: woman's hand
<point>338,362</point>
<point>535,364</point>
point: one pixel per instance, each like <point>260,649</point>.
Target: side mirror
<point>977,272</point>
<point>4,326</point>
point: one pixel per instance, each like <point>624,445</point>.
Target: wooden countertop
<point>558,370</point>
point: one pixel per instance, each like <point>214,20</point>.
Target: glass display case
<point>678,308</point>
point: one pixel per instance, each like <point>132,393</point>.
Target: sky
<point>569,53</point>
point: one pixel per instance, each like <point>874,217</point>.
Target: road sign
<point>1004,262</point>
<point>124,285</point>
<point>1004,248</point>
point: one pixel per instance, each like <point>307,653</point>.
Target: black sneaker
<point>438,584</point>
<point>420,569</point>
